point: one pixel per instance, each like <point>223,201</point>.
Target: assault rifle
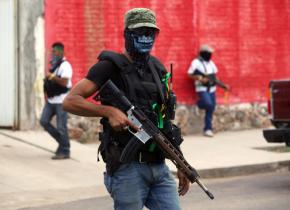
<point>212,80</point>
<point>148,130</point>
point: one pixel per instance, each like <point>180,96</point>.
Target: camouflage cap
<point>140,17</point>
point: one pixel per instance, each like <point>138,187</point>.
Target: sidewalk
<point>28,177</point>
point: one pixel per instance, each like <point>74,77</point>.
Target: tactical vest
<point>51,88</point>
<point>211,77</point>
<point>147,92</point>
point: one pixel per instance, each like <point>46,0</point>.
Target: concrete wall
<point>31,60</point>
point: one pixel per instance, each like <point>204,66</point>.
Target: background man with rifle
<point>141,179</point>
<point>203,71</point>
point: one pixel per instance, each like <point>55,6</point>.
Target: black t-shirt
<point>102,71</point>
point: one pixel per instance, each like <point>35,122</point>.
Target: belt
<point>146,157</point>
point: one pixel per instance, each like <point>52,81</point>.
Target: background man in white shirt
<point>203,71</point>
<point>57,83</point>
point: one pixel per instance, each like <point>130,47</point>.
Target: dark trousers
<point>59,133</point>
<point>207,101</point>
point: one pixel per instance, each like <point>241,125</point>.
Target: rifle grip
<point>130,150</point>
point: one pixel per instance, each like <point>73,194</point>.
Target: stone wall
<point>84,129</point>
<point>226,117</point>
<point>189,118</point>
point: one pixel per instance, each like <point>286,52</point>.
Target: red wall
<point>250,38</point>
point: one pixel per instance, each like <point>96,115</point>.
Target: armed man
<point>203,72</point>
<point>145,179</point>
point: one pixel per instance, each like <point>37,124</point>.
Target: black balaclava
<point>205,55</point>
<point>139,47</point>
<point>56,60</point>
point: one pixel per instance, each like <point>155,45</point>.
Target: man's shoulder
<point>211,62</point>
<point>106,64</point>
<point>196,62</point>
<point>66,64</point>
<point>103,67</point>
<point>118,59</point>
<point>65,69</point>
<point>158,64</point>
<point>214,66</point>
<point>108,53</point>
<point>154,58</point>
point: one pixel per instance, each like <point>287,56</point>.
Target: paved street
<point>30,179</point>
<point>256,192</point>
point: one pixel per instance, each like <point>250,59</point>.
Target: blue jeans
<point>59,133</point>
<point>135,185</point>
<point>207,101</point>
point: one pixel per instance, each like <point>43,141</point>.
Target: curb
<point>245,170</point>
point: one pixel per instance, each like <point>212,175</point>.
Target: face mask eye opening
<point>136,41</point>
<point>144,31</point>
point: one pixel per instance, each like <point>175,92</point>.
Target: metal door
<point>8,91</point>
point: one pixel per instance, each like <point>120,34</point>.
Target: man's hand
<point>184,183</point>
<point>227,88</point>
<point>202,79</point>
<point>47,75</point>
<point>119,121</point>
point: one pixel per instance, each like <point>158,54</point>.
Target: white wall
<point>8,91</point>
<point>40,66</point>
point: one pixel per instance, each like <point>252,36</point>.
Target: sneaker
<point>208,133</point>
<point>60,156</point>
<point>57,151</point>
